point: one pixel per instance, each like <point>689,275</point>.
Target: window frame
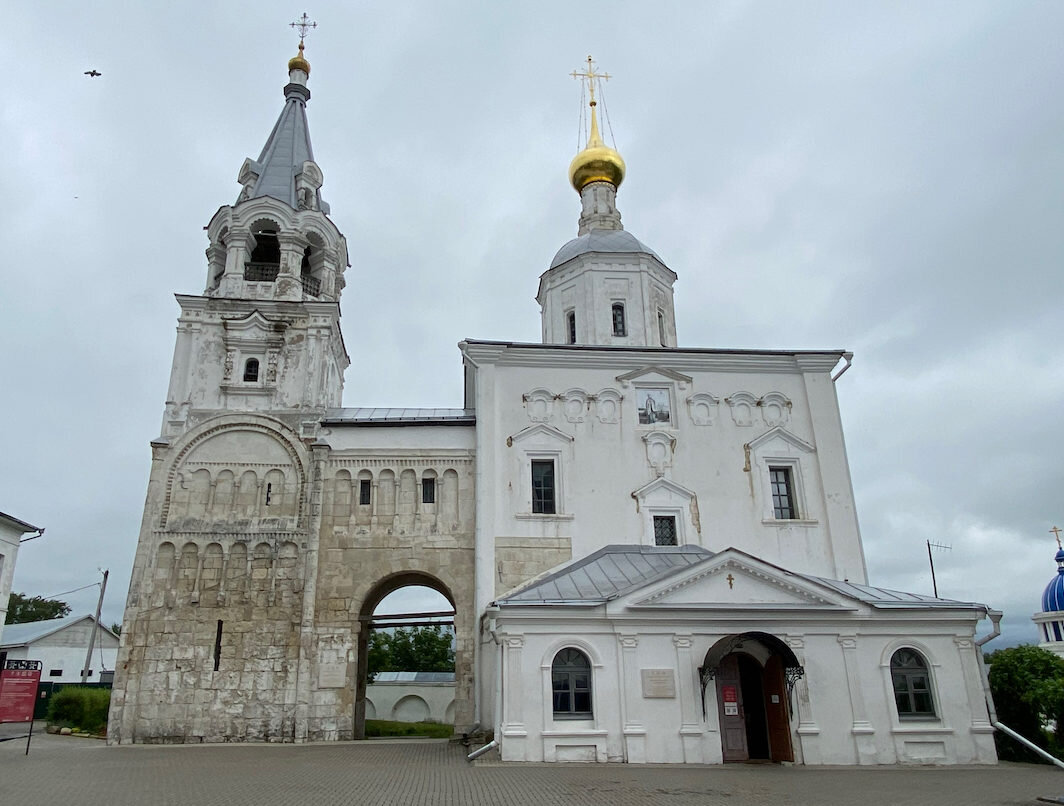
<point>251,367</point>
<point>790,492</point>
<point>618,308</point>
<point>428,489</point>
<point>553,464</point>
<point>365,492</point>
<point>570,326</point>
<point>907,674</point>
<point>567,671</point>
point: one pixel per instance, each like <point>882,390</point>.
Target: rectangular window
<point>543,499</point>
<point>364,492</point>
<point>55,673</point>
<point>428,491</point>
<point>570,324</point>
<point>783,504</point>
<point>218,646</point>
<point>664,530</point>
<point>619,327</point>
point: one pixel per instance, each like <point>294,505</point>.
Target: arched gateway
<point>754,675</point>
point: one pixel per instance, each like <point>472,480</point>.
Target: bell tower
<point>265,334</point>
<point>605,287</point>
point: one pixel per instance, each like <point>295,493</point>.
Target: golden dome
<point>597,162</point>
<point>297,62</point>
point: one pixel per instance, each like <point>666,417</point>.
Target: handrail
<point>1029,744</point>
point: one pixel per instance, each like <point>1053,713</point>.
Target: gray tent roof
<point>601,240</point>
<point>286,149</point>
<point>615,570</point>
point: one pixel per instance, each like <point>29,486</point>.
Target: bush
<point>1028,687</point>
<point>81,708</point>
<point>384,727</point>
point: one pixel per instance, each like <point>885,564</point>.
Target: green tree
<point>411,649</point>
<point>1028,687</point>
<point>24,609</point>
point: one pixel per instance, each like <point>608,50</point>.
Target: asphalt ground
<point>69,770</point>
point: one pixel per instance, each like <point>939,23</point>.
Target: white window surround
<point>913,724</point>
<point>664,497</point>
<point>778,448</point>
<point>541,442</point>
<point>567,726</point>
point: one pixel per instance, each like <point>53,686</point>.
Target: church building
<point>652,551</point>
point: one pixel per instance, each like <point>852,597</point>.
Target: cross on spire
<point>589,76</point>
<point>302,24</point>
<point>1055,531</point>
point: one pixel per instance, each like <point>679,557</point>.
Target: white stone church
<point>652,551</point>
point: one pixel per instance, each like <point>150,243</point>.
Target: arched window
<point>912,685</point>
<point>265,260</point>
<point>251,370</point>
<point>620,328</point>
<point>571,684</point>
<point>570,325</point>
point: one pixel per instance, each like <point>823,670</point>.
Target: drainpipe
<point>848,358</point>
<point>995,618</point>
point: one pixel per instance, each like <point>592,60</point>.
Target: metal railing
<point>261,272</point>
<point>312,285</point>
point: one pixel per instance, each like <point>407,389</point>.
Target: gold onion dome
<point>597,162</point>
<point>297,62</point>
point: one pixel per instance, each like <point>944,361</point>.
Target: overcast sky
<point>883,178</point>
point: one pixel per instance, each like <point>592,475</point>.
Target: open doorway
<point>406,677</point>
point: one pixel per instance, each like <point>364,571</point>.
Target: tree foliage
<point>1027,683</point>
<point>24,609</point>
<point>411,649</point>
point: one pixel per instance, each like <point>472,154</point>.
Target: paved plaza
<point>64,770</point>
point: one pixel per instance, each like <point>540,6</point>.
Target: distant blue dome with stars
<point>1053,595</point>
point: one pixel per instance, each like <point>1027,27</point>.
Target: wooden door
<point>730,710</point>
<point>776,713</point>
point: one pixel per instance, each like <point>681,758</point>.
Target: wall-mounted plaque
<point>332,675</point>
<point>658,683</point>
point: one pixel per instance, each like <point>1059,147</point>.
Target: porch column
<point>808,730</point>
<point>633,730</point>
<point>513,722</point>
<point>862,730</point>
<point>690,704</point>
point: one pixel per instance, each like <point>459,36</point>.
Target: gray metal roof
<point>608,573</point>
<point>20,634</point>
<point>286,149</point>
<point>11,520</point>
<point>615,570</point>
<point>414,677</point>
<point>885,598</point>
<point>601,240</point>
<point>397,416</point>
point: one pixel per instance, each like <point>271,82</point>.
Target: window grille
<point>664,530</point>
<point>619,326</point>
<point>364,492</point>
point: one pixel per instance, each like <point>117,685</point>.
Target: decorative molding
<point>664,372</point>
<point>702,408</point>
<point>660,447</point>
<point>742,405</point>
<point>608,405</point>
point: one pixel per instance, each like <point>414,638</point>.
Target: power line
<point>64,593</point>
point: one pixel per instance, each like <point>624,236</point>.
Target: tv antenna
<point>931,560</point>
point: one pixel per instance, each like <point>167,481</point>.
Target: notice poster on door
<point>730,696</point>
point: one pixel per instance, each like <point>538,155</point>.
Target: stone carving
<point>608,406</point>
<point>660,447</point>
<point>742,405</point>
<point>539,403</point>
<point>703,409</point>
<point>775,409</point>
<point>575,405</point>
<point>227,372</point>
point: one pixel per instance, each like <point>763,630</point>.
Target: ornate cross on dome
<point>302,24</point>
<point>589,76</point>
<point>1055,531</point>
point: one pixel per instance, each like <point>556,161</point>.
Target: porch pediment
<point>733,580</point>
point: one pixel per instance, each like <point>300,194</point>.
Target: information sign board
<point>18,690</point>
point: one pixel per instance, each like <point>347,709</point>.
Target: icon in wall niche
<point>653,406</point>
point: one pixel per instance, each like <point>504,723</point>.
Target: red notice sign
<point>18,690</point>
<point>729,693</point>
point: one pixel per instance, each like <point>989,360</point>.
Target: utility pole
<point>92,634</point>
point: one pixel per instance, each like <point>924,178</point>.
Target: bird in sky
<point>93,73</point>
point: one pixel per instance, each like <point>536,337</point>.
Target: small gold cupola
<point>597,162</point>
<point>298,62</point>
